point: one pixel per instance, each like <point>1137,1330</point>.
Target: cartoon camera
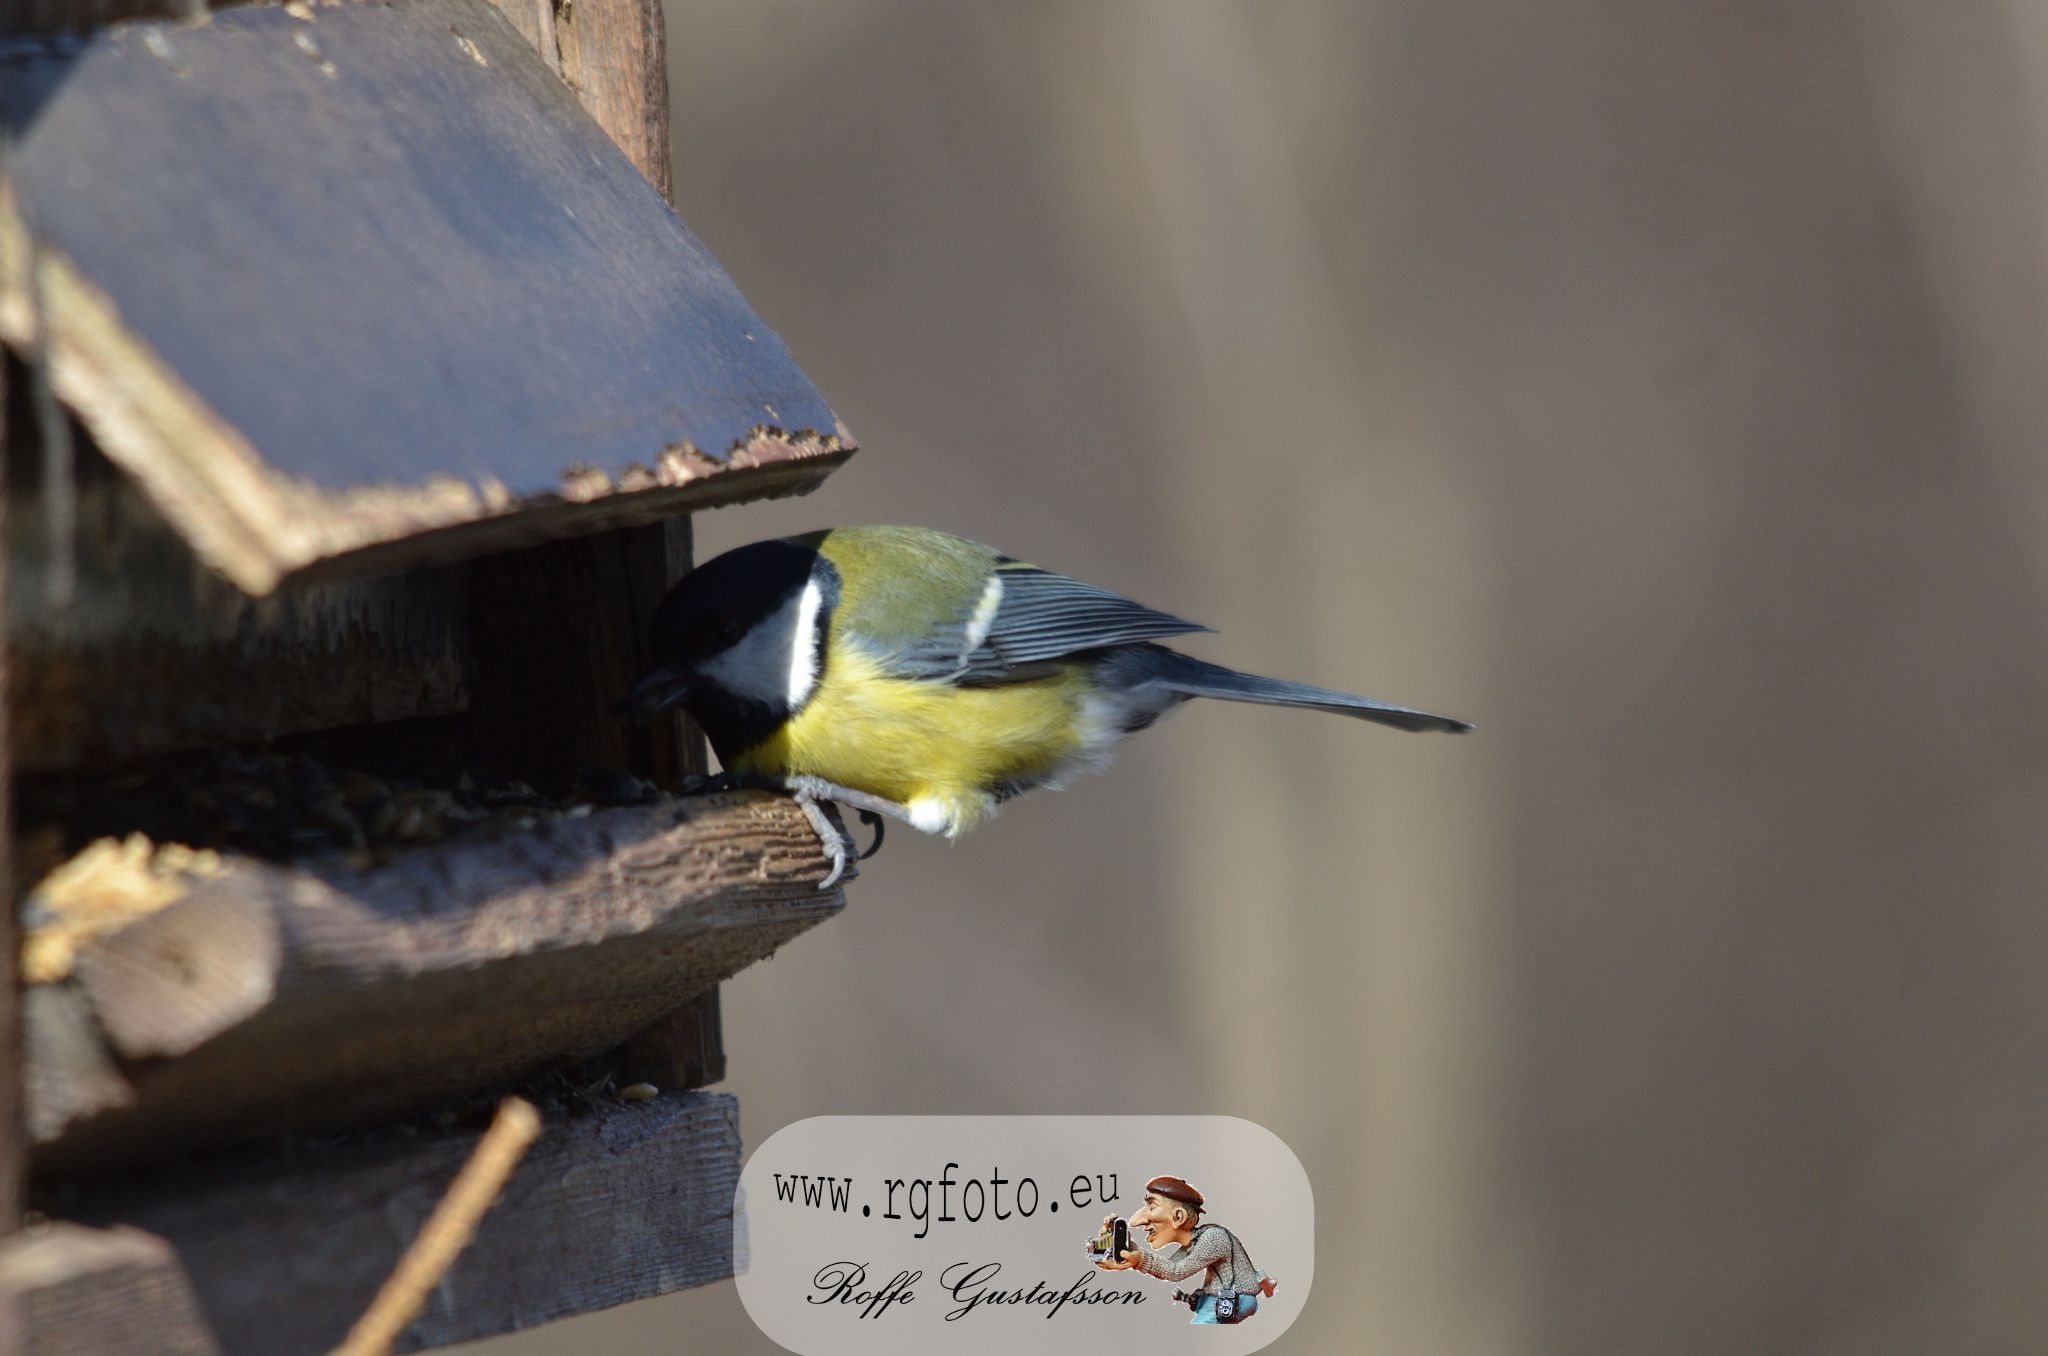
<point>1112,1243</point>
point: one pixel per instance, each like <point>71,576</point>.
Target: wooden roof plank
<point>328,279</point>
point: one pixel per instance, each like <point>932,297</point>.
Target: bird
<point>908,673</point>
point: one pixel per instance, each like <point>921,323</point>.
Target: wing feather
<point>1037,616</point>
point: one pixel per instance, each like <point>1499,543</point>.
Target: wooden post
<point>685,1049</point>
<point>614,55</point>
<point>13,1128</point>
<point>557,632</point>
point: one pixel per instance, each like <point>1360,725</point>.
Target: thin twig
<point>447,1231</point>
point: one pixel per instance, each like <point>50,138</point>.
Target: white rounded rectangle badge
<point>908,1234</point>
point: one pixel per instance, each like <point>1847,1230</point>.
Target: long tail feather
<point>1193,678</point>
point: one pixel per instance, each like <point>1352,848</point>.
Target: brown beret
<point>1174,1189</point>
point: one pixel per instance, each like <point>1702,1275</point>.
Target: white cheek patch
<point>803,647</point>
<point>776,663</point>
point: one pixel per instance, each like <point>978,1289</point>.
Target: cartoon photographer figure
<point>1170,1242</point>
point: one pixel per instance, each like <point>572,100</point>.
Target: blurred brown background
<point>1660,386</point>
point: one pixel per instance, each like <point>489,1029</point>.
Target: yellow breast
<point>940,750</point>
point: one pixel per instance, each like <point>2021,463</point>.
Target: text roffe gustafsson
<point>973,1285</point>
<point>948,1199</point>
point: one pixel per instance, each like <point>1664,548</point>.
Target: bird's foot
<point>809,793</point>
<point>832,837</point>
<point>871,808</point>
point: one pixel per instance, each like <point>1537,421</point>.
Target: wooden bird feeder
<point>359,383</point>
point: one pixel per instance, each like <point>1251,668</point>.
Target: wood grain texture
<point>66,1290</point>
<point>45,17</point>
<point>559,632</point>
<point>616,65</point>
<point>685,1049</point>
<point>448,1229</point>
<point>274,999</point>
<point>535,20</point>
<point>157,653</point>
<point>498,334</point>
<point>67,1071</point>
<point>607,1207</point>
<point>13,1112</point>
<point>615,56</point>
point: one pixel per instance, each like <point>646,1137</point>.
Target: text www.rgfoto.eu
<point>995,1197</point>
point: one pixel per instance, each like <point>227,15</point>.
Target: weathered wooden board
<point>275,1000</point>
<point>608,1206</point>
<point>76,16</point>
<point>66,1290</point>
<point>68,1073</point>
<point>556,634</point>
<point>614,54</point>
<point>367,281</point>
<point>153,652</point>
<point>685,1049</point>
<point>13,1112</point>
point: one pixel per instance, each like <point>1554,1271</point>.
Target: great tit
<point>906,672</point>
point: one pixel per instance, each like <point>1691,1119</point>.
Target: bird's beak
<point>656,692</point>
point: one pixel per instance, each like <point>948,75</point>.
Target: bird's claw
<point>879,825</point>
<point>832,837</point>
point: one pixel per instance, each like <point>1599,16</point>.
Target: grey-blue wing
<point>1035,617</point>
